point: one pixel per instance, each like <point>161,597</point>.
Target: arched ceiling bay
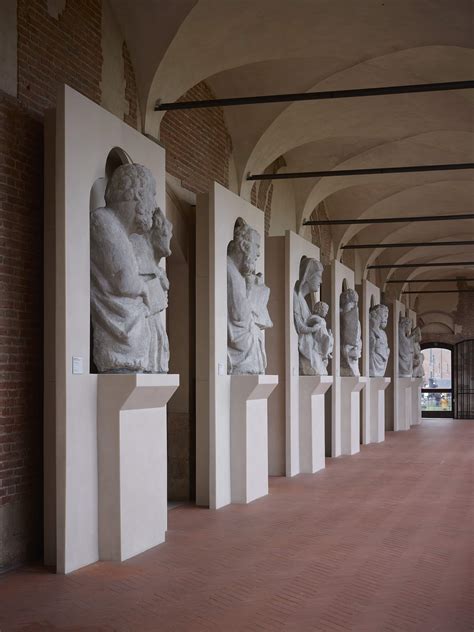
<point>252,47</point>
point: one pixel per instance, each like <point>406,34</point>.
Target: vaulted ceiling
<point>253,47</point>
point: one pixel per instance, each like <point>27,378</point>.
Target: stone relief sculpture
<point>379,351</point>
<point>351,342</point>
<point>315,341</point>
<point>405,348</point>
<point>247,300</point>
<point>129,290</point>
<point>418,356</point>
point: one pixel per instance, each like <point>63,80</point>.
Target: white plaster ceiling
<point>251,47</point>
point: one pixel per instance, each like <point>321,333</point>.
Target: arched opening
<point>437,391</point>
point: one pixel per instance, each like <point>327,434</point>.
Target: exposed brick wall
<point>321,236</point>
<point>66,50</point>
<point>197,143</point>
<point>131,94</point>
<point>21,316</point>
<point>50,51</point>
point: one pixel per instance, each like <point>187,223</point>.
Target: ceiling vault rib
<point>430,280</point>
<point>389,220</point>
<point>316,96</point>
<point>360,172</point>
<point>387,266</point>
<point>437,291</point>
<point>413,244</point>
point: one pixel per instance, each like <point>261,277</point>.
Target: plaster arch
<point>304,122</point>
<point>436,146</point>
<point>205,42</point>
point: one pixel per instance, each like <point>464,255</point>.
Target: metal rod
<point>436,291</point>
<point>429,280</point>
<point>316,96</point>
<point>419,265</point>
<point>359,172</point>
<point>389,220</point>
<point>413,244</point>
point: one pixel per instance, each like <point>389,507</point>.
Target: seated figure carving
<point>128,237</point>
<point>247,300</point>
<point>351,343</point>
<point>379,351</point>
<point>315,340</point>
<point>405,348</point>
<point>418,356</point>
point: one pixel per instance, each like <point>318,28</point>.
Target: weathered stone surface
<point>418,356</point>
<point>247,299</point>
<point>129,236</point>
<point>379,351</point>
<point>351,342</point>
<point>315,341</point>
<point>405,348</point>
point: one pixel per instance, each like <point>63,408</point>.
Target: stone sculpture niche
<point>351,342</point>
<point>129,290</point>
<point>315,340</point>
<point>247,300</point>
<point>418,357</point>
<point>405,348</point>
<point>379,351</point>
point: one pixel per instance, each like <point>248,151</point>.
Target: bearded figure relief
<point>315,340</point>
<point>405,348</point>
<point>379,351</point>
<point>247,301</point>
<point>418,356</point>
<point>351,342</point>
<point>129,290</point>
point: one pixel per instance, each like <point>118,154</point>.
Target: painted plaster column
<point>249,435</point>
<point>312,422</point>
<point>132,462</point>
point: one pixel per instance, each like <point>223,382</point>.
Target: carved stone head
<point>405,325</point>
<point>244,248</point>
<point>131,190</point>
<point>160,234</point>
<point>311,274</point>
<point>379,315</point>
<point>321,309</point>
<point>349,299</point>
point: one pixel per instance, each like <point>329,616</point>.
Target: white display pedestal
<point>405,412</point>
<point>350,413</point>
<point>132,462</point>
<point>312,419</point>
<point>377,386</point>
<point>416,385</point>
<point>249,435</point>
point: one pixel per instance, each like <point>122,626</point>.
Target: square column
<point>405,404</point>
<point>376,387</point>
<point>249,435</point>
<point>350,413</point>
<point>312,421</point>
<point>132,462</point>
<point>416,385</point>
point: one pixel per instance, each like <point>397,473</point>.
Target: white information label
<point>77,365</point>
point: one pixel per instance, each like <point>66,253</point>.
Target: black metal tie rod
<point>360,172</point>
<point>315,96</point>
<point>389,220</point>
<point>419,265</point>
<point>429,280</point>
<point>413,244</point>
<point>436,291</point>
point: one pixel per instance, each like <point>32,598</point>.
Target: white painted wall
<point>216,215</point>
<point>85,134</point>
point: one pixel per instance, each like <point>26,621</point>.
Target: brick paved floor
<point>380,541</point>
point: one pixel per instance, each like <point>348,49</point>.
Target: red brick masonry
<point>380,541</point>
